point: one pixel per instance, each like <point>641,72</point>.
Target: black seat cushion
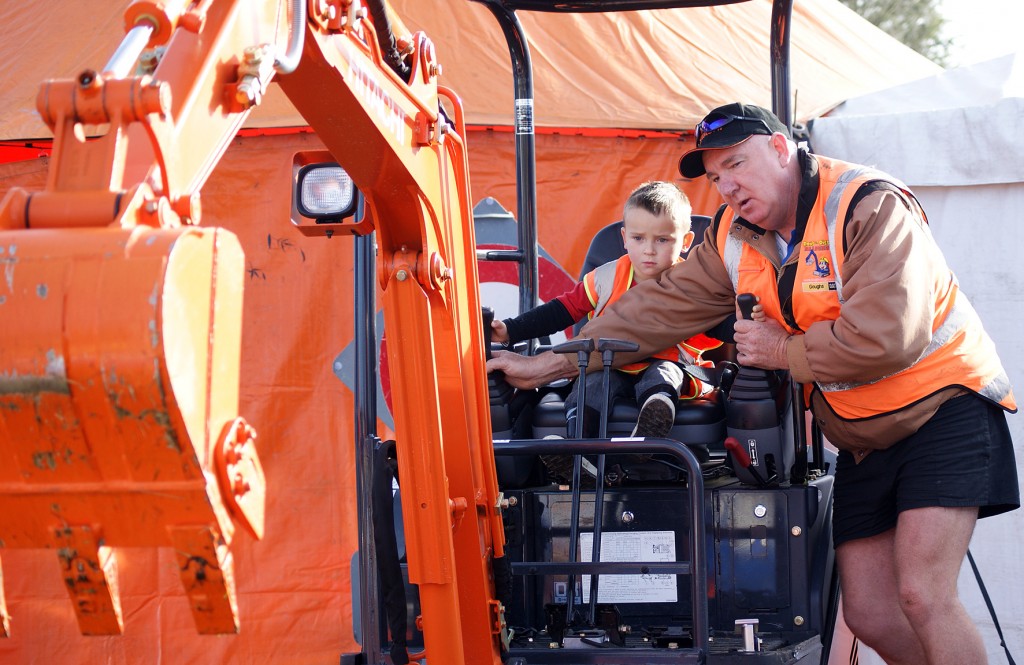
<point>699,422</point>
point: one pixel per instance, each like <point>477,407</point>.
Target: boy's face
<point>652,242</point>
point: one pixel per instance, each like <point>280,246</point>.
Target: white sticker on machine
<point>524,118</point>
<point>637,546</point>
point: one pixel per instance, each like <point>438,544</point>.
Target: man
<point>860,306</point>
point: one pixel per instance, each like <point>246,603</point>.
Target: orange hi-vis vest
<point>606,284</point>
<point>960,353</point>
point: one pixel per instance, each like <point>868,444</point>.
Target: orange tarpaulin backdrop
<point>293,586</point>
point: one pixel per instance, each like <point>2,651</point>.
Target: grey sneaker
<point>559,468</point>
<point>657,415</point>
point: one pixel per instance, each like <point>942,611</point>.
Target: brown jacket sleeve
<point>689,298</point>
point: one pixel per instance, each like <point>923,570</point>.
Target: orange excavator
<point>119,387</point>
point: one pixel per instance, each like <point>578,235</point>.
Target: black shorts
<point>963,456</point>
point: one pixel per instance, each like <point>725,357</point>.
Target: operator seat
<point>700,423</point>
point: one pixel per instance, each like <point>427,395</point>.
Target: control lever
<point>499,392</point>
<point>726,375</point>
<point>607,348</point>
<point>757,443</point>
<point>488,315</point>
<point>739,454</point>
<point>582,347</point>
<point>746,301</point>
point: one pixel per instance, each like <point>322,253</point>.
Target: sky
<point>982,34</point>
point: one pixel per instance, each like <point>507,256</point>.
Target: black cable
<point>991,609</point>
<point>386,40</point>
<point>386,546</point>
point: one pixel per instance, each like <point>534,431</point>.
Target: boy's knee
<point>664,389</point>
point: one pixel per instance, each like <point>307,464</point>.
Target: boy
<point>656,228</point>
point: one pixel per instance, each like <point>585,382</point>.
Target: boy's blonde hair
<point>659,197</point>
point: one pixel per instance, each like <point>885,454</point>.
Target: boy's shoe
<point>657,416</point>
<point>559,468</point>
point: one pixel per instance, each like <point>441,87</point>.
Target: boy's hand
<point>499,332</point>
<point>756,313</point>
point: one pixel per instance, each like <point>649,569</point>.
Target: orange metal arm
<point>410,164</point>
<point>165,129</point>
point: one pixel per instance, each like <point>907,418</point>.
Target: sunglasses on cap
<point>706,127</point>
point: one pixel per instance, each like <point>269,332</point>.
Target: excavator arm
<point>119,354</point>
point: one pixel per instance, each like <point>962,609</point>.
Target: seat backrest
<point>607,243</point>
<point>606,246</point>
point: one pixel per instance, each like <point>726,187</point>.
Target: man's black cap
<point>726,126</point>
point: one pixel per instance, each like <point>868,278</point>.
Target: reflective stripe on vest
<point>839,199</point>
<point>960,352</point>
<point>986,377</point>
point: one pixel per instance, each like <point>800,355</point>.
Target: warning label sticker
<point>524,117</point>
<point>647,546</point>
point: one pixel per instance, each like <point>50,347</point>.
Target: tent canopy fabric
<point>649,69</point>
<point>970,120</point>
<point>661,69</point>
<point>600,82</point>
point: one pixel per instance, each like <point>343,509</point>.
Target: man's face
<point>652,242</point>
<point>752,180</point>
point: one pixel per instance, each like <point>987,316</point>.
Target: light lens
<point>327,191</point>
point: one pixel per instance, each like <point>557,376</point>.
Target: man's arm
<point>689,298</point>
<point>532,371</point>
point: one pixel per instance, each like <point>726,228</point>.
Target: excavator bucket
<point>119,363</point>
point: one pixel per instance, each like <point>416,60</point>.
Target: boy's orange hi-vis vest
<point>606,284</point>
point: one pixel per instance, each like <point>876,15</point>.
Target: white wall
<point>964,159</point>
<point>981,232</point>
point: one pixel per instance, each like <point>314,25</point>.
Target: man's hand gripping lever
<point>528,372</point>
<point>752,416</point>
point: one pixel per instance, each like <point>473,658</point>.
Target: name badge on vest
<point>817,267</point>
